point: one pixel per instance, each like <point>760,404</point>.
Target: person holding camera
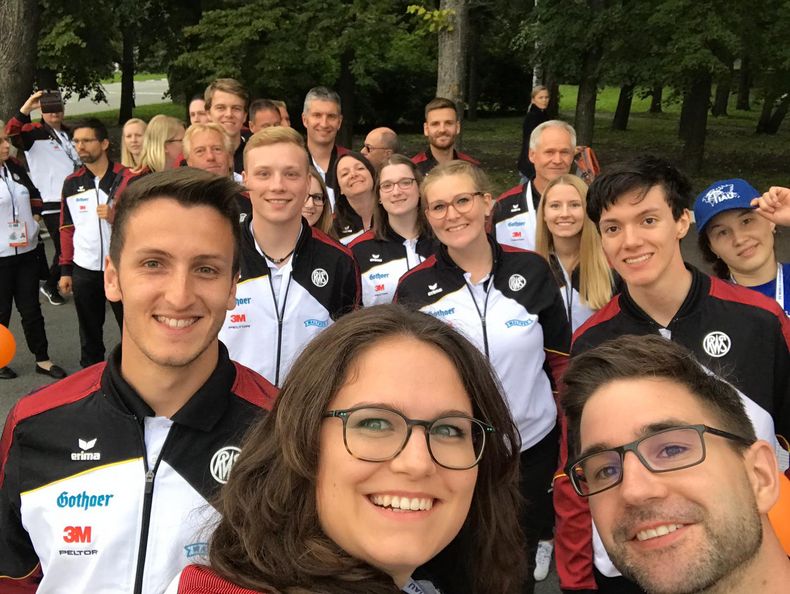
<point>51,157</point>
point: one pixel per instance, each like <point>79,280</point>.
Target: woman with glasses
<point>506,301</point>
<point>316,209</point>
<point>387,465</point>
<point>357,199</point>
<point>400,238</point>
<point>568,239</point>
<point>132,142</point>
<point>161,145</point>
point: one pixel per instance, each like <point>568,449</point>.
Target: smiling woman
<point>389,448</point>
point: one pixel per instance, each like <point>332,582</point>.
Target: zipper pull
<point>149,482</point>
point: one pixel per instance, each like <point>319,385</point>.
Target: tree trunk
<point>451,75</point>
<point>778,116</point>
<point>767,110</point>
<point>127,77</point>
<point>723,89</point>
<point>346,87</point>
<point>685,116</point>
<point>553,110</point>
<point>698,99</point>
<point>19,25</point>
<point>474,74</point>
<point>584,121</point>
<point>655,100</point>
<point>623,111</point>
<point>744,84</point>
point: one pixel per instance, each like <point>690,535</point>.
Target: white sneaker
<point>543,559</point>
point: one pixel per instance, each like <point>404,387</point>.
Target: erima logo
<point>515,208</point>
<point>720,194</point>
<point>434,289</point>
<point>316,323</point>
<point>82,454</point>
<point>320,277</point>
<point>716,343</point>
<point>346,229</point>
<point>375,257</point>
<point>222,461</point>
<point>378,275</point>
<point>516,282</point>
<point>81,189</point>
<point>442,313</point>
<point>518,323</point>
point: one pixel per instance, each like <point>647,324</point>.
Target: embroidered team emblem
<point>320,277</point>
<point>434,289</point>
<point>516,282</point>
<point>375,257</point>
<point>716,344</point>
<point>222,461</point>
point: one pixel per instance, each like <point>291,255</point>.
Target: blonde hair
<point>452,168</point>
<point>127,158</point>
<point>159,130</point>
<point>275,135</point>
<point>208,127</point>
<point>324,222</point>
<point>595,276</point>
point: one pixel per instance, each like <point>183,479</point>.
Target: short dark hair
<point>268,508</point>
<point>651,357</point>
<point>94,124</point>
<point>440,103</point>
<point>719,266</point>
<point>263,105</point>
<point>188,187</point>
<point>639,175</point>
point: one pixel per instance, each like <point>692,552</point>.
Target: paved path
<point>147,92</point>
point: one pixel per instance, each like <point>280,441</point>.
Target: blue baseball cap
<point>727,194</point>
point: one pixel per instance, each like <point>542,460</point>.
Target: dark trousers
<point>19,284</point>
<point>90,302</point>
<point>537,466</point>
<point>52,221</point>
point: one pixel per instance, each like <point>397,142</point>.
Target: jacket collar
<point>444,260</point>
<point>700,286</point>
<point>202,411</point>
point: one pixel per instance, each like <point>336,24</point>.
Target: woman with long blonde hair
<point>132,142</point>
<point>568,239</point>
<point>161,144</point>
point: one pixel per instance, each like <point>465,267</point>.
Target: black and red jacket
<point>734,332</point>
<point>425,161</point>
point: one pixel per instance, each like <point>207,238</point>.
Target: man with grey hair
<point>379,145</point>
<point>551,150</point>
<point>322,116</point>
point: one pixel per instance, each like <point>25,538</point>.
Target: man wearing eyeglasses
<point>380,144</point>
<point>641,210</point>
<point>678,484</point>
<point>85,229</point>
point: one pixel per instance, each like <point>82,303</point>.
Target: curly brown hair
<point>270,538</point>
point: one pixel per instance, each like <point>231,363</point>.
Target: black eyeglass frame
<point>633,447</point>
<point>344,414</point>
<point>317,197</point>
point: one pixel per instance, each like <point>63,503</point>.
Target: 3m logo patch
<point>77,534</point>
<point>237,318</point>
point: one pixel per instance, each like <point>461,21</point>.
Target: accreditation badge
<point>17,234</point>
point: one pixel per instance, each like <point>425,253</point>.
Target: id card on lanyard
<point>17,230</point>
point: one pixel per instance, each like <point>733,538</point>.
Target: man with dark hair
<point>640,208</point>
<point>107,479</point>
<point>551,149</point>
<point>441,128</point>
<point>51,158</point>
<point>380,144</point>
<point>263,113</point>
<point>226,103</point>
<point>85,230</point>
<point>322,116</point>
<point>295,281</point>
<point>688,512</point>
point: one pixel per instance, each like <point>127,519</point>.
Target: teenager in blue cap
<point>738,242</point>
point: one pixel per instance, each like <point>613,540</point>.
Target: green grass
<point>140,76</point>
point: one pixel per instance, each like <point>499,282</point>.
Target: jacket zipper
<point>148,498</point>
<point>280,314</point>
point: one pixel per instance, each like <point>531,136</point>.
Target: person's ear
<point>762,471</point>
<point>488,201</point>
<point>105,144</point>
<point>683,223</point>
<point>232,296</point>
<point>425,129</point>
<point>112,282</point>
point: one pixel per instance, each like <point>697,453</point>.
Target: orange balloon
<point>780,513</point>
<point>7,346</point>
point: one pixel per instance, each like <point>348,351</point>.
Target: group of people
<point>380,349</point>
